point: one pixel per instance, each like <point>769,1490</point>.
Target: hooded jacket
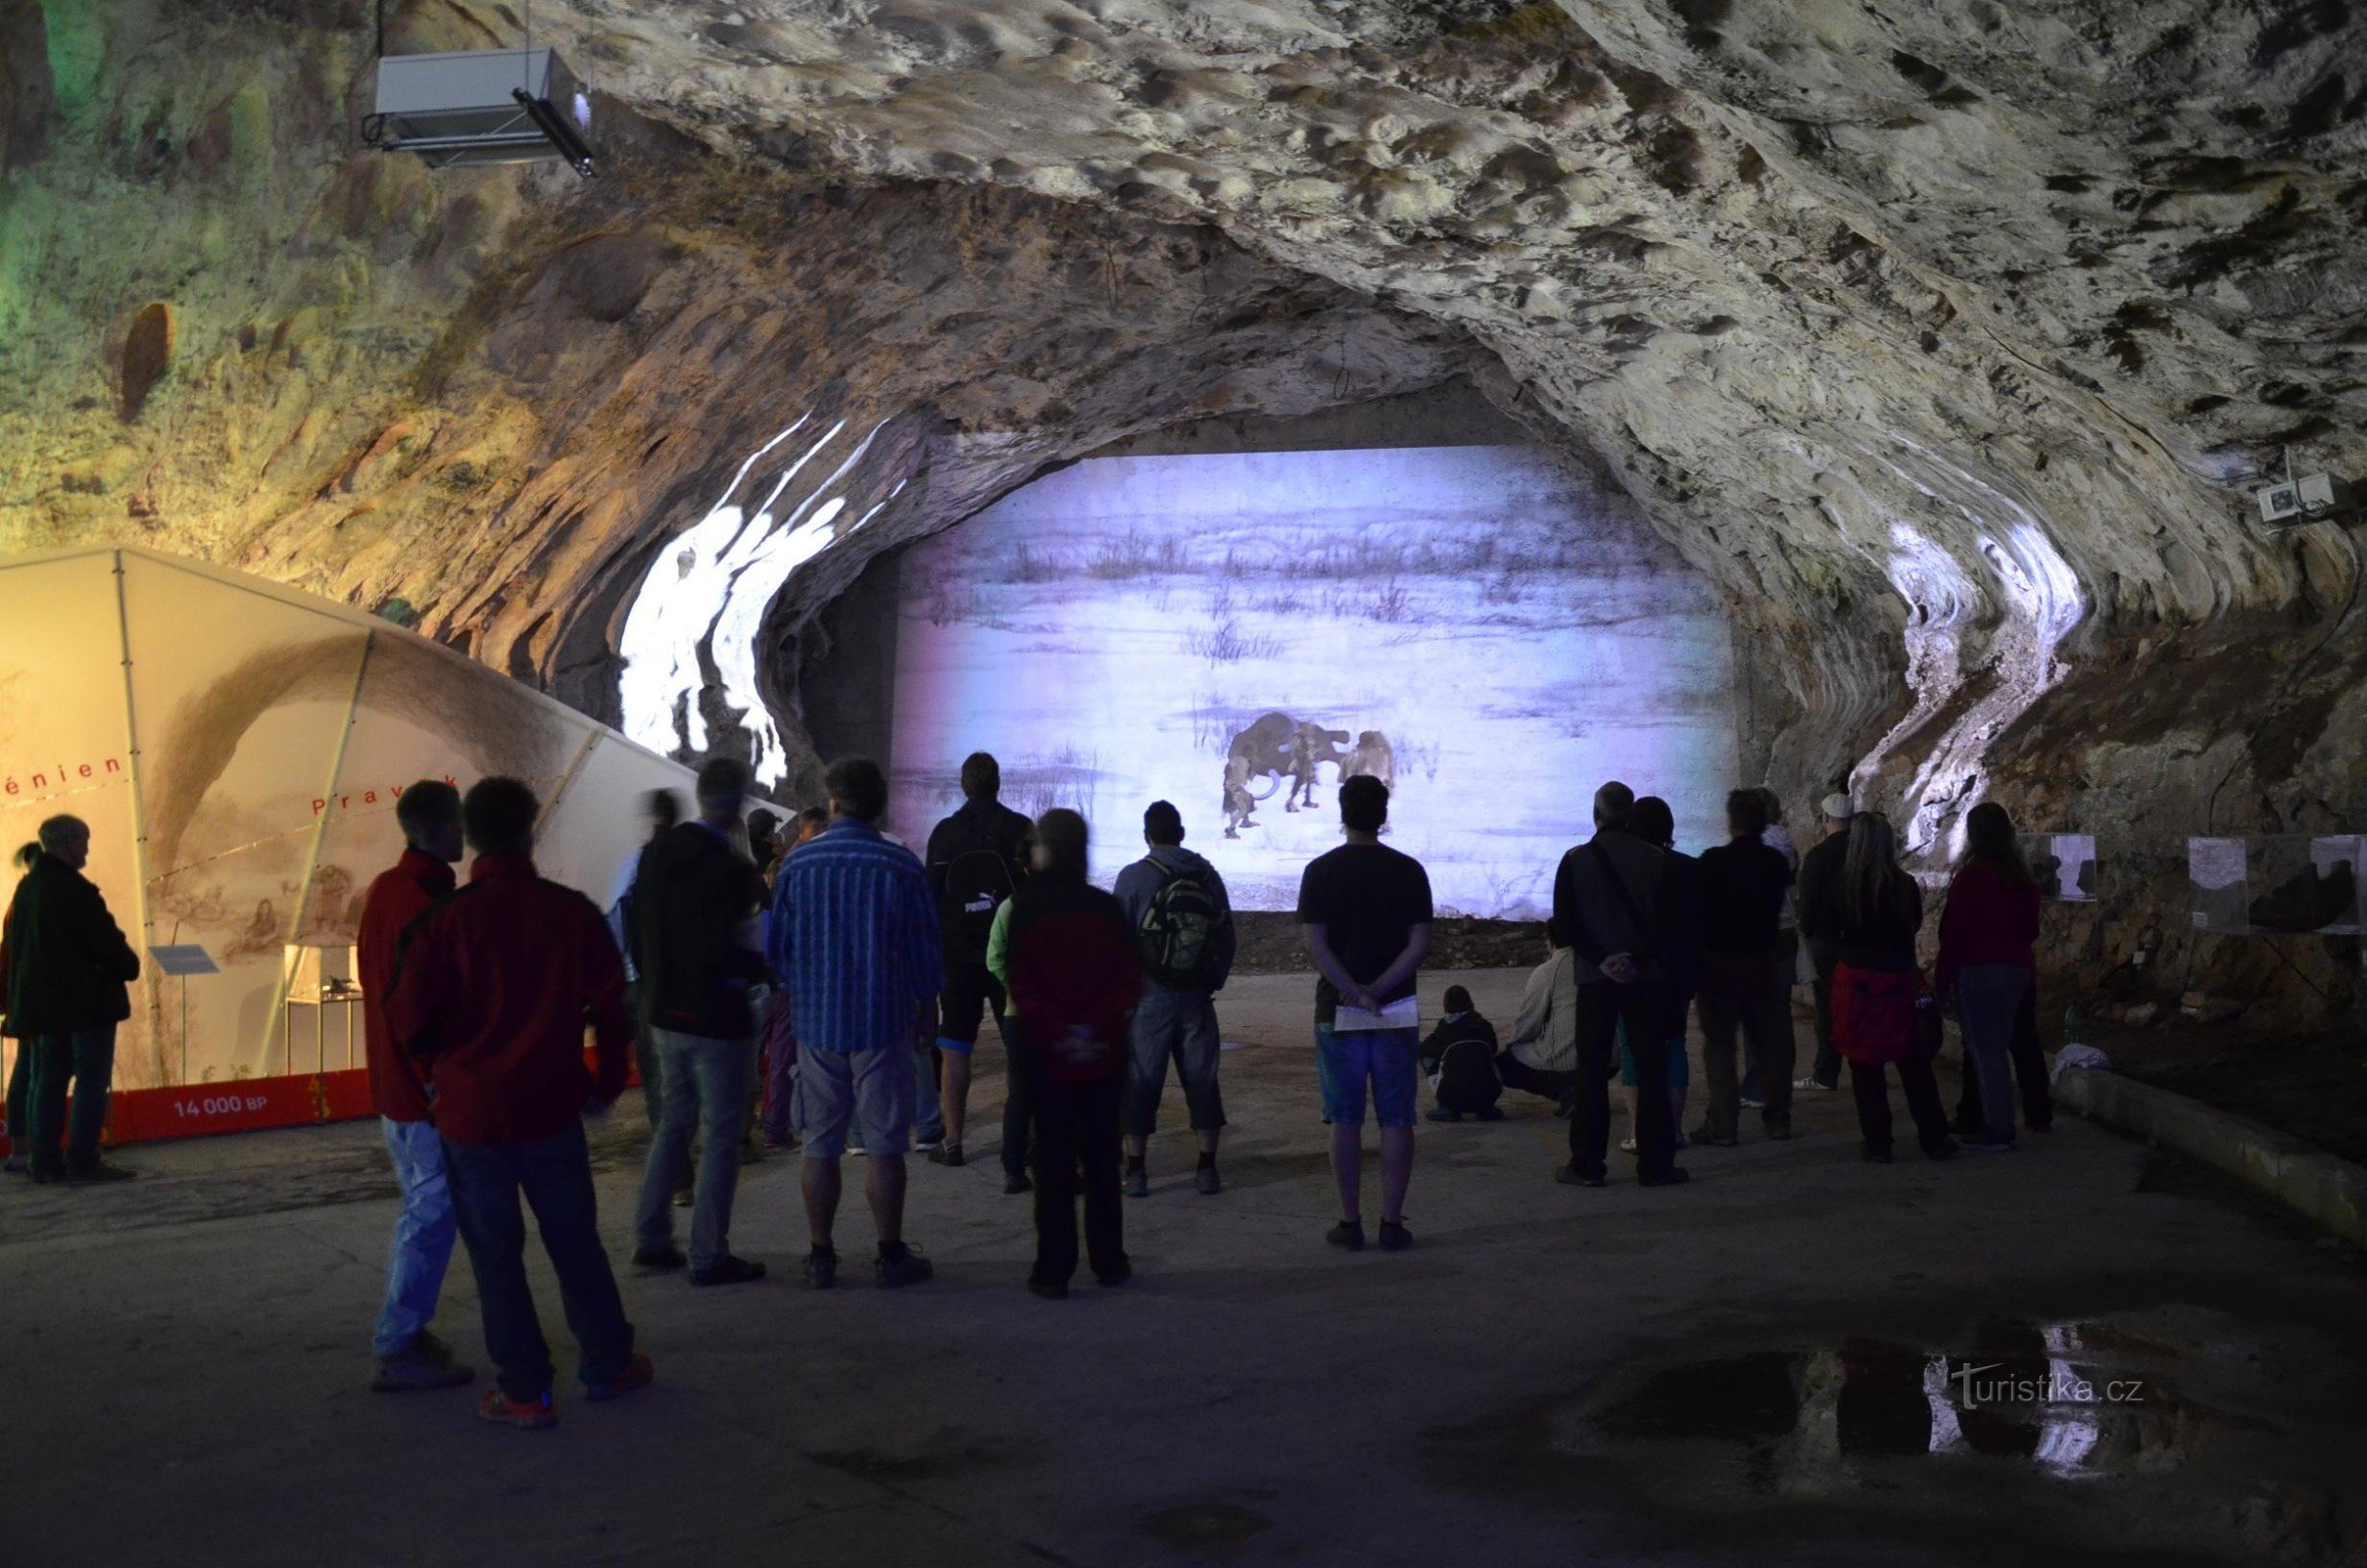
<point>70,966</point>
<point>691,902</point>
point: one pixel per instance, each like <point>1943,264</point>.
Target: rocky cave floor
<point>1751,1370</point>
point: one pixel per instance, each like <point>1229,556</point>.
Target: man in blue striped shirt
<point>854,937</point>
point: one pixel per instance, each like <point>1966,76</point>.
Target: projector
<point>480,107</point>
<point>2299,499</point>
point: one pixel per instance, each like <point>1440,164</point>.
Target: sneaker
<point>639,1372</point>
<point>931,1146</point>
<point>910,1268</point>
<point>424,1364</point>
<point>1493,1113</point>
<point>1349,1233</point>
<point>1813,1084</point>
<point>1677,1176</point>
<point>1049,1289</point>
<point>1754,1103</point>
<point>822,1270</point>
<point>1115,1277</point>
<point>98,1173</point>
<point>1395,1237</point>
<point>1441,1113</point>
<point>1206,1182</point>
<point>682,1198</point>
<point>946,1155</point>
<point>1572,1176</point>
<point>1137,1182</point>
<point>751,1152</point>
<point>660,1260</point>
<point>1945,1149</point>
<point>1710,1140</point>
<point>1015,1182</point>
<point>731,1271</point>
<point>527,1416</point>
<point>1878,1157</point>
<point>1627,1145</point>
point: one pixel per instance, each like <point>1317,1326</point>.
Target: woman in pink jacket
<point>1988,930</point>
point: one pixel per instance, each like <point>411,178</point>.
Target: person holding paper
<point>1366,910</point>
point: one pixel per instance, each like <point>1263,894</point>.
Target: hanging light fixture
<point>478,107</point>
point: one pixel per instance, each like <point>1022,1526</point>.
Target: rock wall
<point>1945,338</point>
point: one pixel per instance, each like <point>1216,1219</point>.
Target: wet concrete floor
<point>2081,1352</point>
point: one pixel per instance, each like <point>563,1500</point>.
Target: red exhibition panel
<point>243,1106</point>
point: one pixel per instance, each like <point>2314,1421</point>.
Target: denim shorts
<point>835,1087</point>
<point>1390,1058</point>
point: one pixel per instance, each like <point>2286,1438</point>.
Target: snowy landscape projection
<point>1237,633</point>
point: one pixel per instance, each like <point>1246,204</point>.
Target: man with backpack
<point>976,860</point>
<point>1175,905</point>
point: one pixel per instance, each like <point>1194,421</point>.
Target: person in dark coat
<point>1065,951</point>
<point>21,1067</point>
<point>69,985</point>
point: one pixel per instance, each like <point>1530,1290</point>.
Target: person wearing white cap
<point>1820,924</point>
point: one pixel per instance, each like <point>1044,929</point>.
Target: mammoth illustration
<point>1277,748</point>
<point>1371,757</point>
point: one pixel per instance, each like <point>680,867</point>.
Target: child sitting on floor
<point>1459,1061</point>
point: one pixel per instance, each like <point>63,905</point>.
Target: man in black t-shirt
<point>977,858</point>
<point>1366,910</point>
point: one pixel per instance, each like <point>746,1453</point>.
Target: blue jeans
<point>1390,1059</point>
<point>1988,995</point>
<point>928,1113</point>
<point>554,1177</point>
<point>707,1084</point>
<point>423,1237</point>
<point>87,1058</point>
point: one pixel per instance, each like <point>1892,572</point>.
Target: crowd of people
<point>816,984</point>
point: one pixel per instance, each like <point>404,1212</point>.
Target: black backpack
<point>1180,933</point>
<point>977,881</point>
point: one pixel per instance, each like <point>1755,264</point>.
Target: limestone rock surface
<point>1946,337</point>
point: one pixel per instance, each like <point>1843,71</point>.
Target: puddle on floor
<point>2179,1432</point>
<point>2062,1397</point>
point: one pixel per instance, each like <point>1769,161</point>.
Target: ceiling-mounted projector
<point>482,106</point>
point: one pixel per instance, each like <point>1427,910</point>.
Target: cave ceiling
<point>1946,336</point>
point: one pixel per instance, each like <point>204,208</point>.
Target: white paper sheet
<point>1403,1013</point>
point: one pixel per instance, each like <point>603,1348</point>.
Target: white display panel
<point>1460,621</point>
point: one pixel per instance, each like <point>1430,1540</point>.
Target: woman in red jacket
<point>1988,932</point>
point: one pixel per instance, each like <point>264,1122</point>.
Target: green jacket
<point>70,967</point>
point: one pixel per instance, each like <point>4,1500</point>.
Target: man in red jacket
<point>495,987</point>
<point>409,1356</point>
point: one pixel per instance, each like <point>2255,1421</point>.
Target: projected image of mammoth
<point>1277,749</point>
<point>1220,630</point>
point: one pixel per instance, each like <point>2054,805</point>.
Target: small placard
<point>184,958</point>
